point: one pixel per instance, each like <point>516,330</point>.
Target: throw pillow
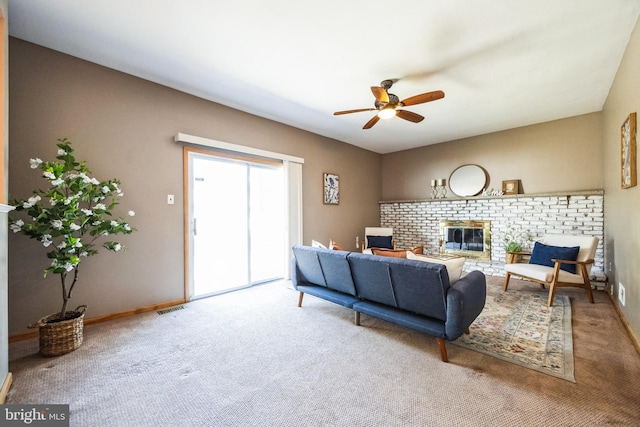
<point>333,245</point>
<point>380,242</point>
<point>389,252</point>
<point>454,264</point>
<point>316,244</point>
<point>543,254</point>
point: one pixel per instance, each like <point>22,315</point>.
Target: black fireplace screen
<point>464,239</point>
<point>467,238</point>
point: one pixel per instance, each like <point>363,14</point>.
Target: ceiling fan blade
<point>337,113</point>
<point>408,115</point>
<point>423,97</point>
<point>371,122</point>
<point>380,93</point>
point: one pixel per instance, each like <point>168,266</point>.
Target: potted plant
<point>514,240</point>
<point>68,216</point>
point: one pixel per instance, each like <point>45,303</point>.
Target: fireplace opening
<point>467,238</point>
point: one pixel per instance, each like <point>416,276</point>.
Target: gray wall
<point>554,156</point>
<point>622,230</point>
<point>124,127</point>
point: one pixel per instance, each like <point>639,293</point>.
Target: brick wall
<point>417,222</point>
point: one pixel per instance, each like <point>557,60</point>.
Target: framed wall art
<point>331,185</point>
<point>628,155</point>
<point>511,186</point>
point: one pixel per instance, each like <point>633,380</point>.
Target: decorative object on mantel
<point>511,186</point>
<point>521,329</point>
<point>78,213</point>
<point>468,180</point>
<point>628,145</point>
<point>331,189</point>
<point>489,192</point>
<point>438,188</point>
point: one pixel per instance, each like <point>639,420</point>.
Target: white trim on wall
<point>198,140</point>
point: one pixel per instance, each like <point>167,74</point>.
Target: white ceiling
<point>502,64</point>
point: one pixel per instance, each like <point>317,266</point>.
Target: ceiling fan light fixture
<point>387,113</point>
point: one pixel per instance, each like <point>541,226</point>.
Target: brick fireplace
<point>418,222</point>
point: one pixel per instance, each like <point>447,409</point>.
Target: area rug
<point>517,326</point>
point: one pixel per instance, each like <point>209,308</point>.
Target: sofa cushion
<point>380,242</point>
<point>410,285</point>
<point>372,278</point>
<point>454,265</point>
<point>543,254</point>
<point>336,271</point>
<point>309,264</point>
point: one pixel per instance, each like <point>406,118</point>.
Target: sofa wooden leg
<point>443,350</point>
<point>300,299</point>
<point>506,282</point>
<point>467,331</point>
<point>357,318</point>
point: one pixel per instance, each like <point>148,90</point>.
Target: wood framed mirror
<point>467,180</point>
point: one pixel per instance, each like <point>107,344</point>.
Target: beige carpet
<point>252,358</point>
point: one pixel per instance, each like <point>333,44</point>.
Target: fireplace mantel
<point>509,196</point>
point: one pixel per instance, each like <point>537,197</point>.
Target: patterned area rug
<point>517,326</point>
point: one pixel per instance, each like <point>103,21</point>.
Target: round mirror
<point>467,180</point>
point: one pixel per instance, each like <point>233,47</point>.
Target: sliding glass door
<point>237,223</point>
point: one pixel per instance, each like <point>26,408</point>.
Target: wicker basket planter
<point>58,337</point>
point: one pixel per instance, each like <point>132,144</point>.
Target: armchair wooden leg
<point>552,293</point>
<point>467,331</point>
<point>300,299</point>
<point>589,293</point>
<point>506,282</point>
<point>587,282</point>
<point>443,350</point>
<point>357,318</point>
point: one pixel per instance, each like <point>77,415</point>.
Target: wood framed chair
<point>558,272</point>
<point>378,237</point>
<point>548,267</point>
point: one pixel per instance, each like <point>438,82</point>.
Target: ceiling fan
<point>388,104</point>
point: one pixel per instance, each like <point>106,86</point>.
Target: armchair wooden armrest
<point>512,257</point>
<point>565,261</point>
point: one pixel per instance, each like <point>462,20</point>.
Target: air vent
<point>169,310</point>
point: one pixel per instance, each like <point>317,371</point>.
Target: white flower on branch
<point>35,163</point>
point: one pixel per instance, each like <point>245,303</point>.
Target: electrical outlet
<point>170,199</point>
<point>621,293</point>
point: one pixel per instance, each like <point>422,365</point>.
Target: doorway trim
<point>293,181</point>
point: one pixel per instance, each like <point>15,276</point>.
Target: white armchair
<point>549,269</point>
<point>381,237</point>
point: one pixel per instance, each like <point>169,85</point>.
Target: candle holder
<point>441,188</point>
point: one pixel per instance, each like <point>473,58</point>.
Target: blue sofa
<point>413,294</point>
